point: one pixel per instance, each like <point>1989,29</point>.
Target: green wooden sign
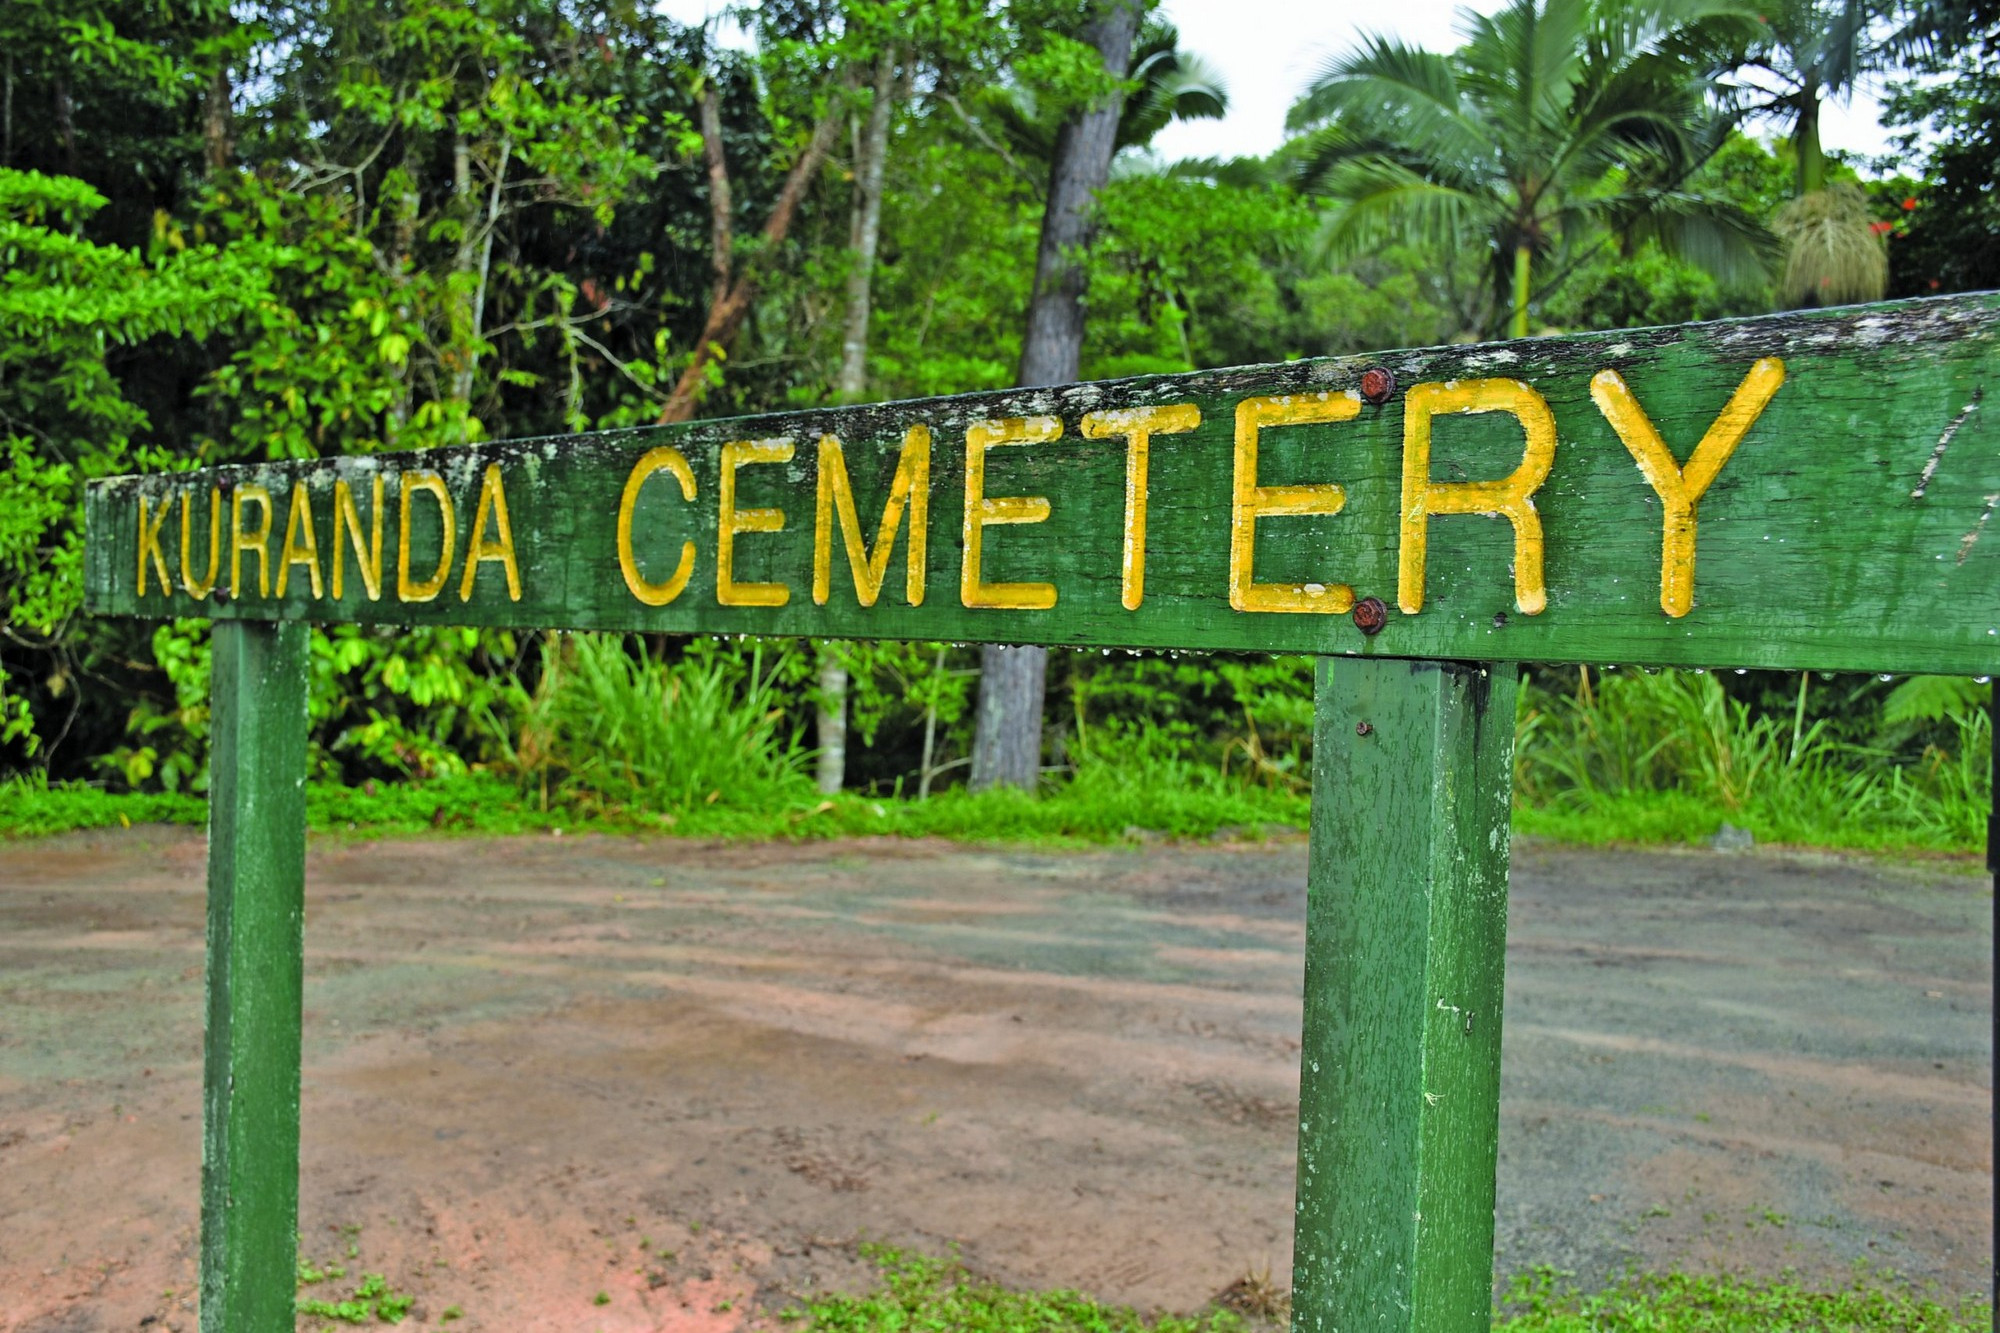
<point>1804,491</point>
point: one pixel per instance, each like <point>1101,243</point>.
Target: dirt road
<point>687,1078</point>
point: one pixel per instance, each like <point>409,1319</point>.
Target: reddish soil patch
<point>692,1078</point>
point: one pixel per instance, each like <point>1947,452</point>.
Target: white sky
<point>1268,50</point>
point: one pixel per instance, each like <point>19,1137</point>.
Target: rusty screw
<point>1370,615</point>
<point>1364,728</point>
<point>1378,386</point>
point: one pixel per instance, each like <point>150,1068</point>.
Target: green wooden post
<point>1406,928</point>
<point>256,942</point>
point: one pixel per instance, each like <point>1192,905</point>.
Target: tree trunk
<point>1523,267</point>
<point>831,717</point>
<point>466,206</point>
<point>66,126</point>
<point>852,382</point>
<point>1805,143</point>
<point>851,385</point>
<point>734,289</point>
<point>216,146</point>
<point>1084,146</point>
<point>7,117</point>
<point>1007,745</point>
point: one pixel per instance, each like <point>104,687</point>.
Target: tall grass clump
<point>608,726</point>
<point>1670,756</point>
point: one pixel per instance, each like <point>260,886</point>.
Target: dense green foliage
<point>255,231</point>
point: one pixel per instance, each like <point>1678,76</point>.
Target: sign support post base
<point>256,945</point>
<point>1406,932</point>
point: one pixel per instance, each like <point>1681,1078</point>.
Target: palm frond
<point>1383,202</point>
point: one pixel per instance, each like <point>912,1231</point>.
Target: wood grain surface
<point>1814,490</point>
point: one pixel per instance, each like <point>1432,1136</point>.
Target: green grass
<point>1685,1303</point>
<point>1094,809</point>
<point>1669,757</point>
<point>619,742</point>
<point>1102,805</point>
<point>921,1293</point>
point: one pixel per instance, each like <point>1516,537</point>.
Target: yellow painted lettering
<point>732,521</point>
<point>911,487</point>
<point>301,544</point>
<point>1510,497</point>
<point>149,544</point>
<point>258,541</point>
<point>492,502</point>
<point>413,485</point>
<point>663,459</point>
<point>196,588</point>
<point>1138,425</point>
<point>367,559</point>
<point>983,511</point>
<point>1680,488</point>
<point>1251,501</point>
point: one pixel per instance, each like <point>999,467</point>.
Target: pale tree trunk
<point>465,204</point>
<point>851,385</point>
<point>831,716</point>
<point>490,227</point>
<point>402,263</point>
<point>1007,745</point>
<point>734,290</point>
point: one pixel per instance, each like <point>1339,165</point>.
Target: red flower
<point>1910,204</point>
<point>1881,228</point>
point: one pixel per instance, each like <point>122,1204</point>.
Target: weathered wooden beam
<point>1814,490</point>
<point>256,942</point>
<point>1406,934</point>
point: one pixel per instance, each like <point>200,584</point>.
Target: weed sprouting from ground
<point>1687,1303</point>
<point>372,1299</point>
<point>919,1292</point>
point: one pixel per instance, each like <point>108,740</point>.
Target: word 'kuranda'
<point>265,557</point>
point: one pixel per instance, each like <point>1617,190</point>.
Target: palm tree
<point>1558,127</point>
<point>1807,51</point>
<point>1165,84</point>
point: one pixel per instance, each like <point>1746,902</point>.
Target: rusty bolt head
<point>1370,615</point>
<point>1378,386</point>
<point>1364,728</point>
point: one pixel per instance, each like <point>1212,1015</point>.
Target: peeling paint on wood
<point>1841,531</point>
<point>1406,930</point>
<point>256,979</point>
